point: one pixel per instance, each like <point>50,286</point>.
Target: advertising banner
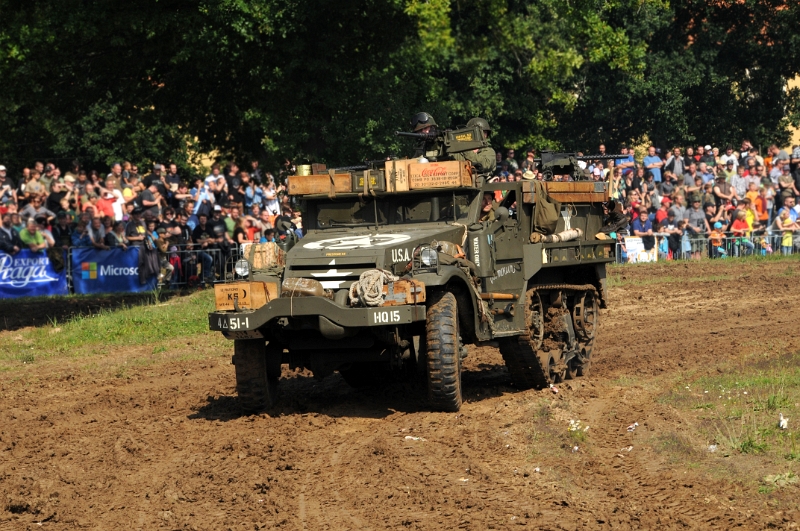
<point>112,271</point>
<point>637,252</point>
<point>30,274</point>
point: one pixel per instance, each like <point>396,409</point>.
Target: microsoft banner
<point>109,271</point>
<point>30,274</point>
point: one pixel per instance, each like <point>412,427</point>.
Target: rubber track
<point>255,389</point>
<point>444,358</point>
<point>522,360</point>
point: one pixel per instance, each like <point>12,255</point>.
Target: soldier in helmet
<point>484,159</point>
<point>424,123</point>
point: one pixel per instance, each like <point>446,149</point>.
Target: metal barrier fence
<point>183,265</point>
<point>665,247</point>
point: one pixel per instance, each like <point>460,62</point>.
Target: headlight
<point>429,257</point>
<point>242,267</point>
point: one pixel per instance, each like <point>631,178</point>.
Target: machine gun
<point>367,165</point>
<point>448,141</point>
<point>557,163</point>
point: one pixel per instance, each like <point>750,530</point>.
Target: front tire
<point>257,373</point>
<point>443,354</point>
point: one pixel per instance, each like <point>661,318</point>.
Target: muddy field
<point>164,446</point>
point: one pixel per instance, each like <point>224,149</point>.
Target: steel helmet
<point>421,120</point>
<point>480,122</point>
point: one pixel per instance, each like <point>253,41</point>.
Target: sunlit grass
<point>96,334</point>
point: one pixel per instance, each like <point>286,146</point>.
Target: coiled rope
<point>368,290</point>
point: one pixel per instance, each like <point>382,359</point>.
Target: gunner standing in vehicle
<point>483,159</point>
<point>424,123</point>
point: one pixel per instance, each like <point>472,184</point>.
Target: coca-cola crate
<point>447,174</point>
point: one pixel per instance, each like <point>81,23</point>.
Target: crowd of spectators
<point>190,224</point>
<point>694,201</point>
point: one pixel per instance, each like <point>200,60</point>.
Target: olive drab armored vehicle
<point>407,264</point>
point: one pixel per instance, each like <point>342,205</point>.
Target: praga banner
<point>31,274</point>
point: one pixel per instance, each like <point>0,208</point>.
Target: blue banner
<point>112,271</point>
<point>30,274</point>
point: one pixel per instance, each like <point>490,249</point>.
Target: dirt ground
<point>164,446</point>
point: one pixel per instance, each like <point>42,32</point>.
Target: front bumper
<point>248,320</point>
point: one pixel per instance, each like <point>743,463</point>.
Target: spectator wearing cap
<point>31,236</point>
<point>10,242</point>
<point>653,163</point>
<point>62,231</point>
<point>715,238</point>
<point>135,229</point>
<point>528,164</point>
<point>151,200</point>
<point>728,171</point>
<point>48,176</point>
<point>729,156</point>
<point>154,175</point>
<point>709,157</point>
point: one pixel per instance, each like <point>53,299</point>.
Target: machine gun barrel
<point>592,157</point>
<point>423,136</point>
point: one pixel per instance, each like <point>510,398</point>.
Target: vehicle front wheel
<point>443,354</point>
<point>258,367</point>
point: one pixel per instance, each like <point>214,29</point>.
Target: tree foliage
<point>330,81</point>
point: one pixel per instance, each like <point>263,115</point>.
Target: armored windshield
<point>393,210</point>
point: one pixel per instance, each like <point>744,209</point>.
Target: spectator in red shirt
<point>105,205</point>
<point>740,230</point>
<point>663,210</point>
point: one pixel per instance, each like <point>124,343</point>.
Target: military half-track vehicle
<point>406,265</point>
